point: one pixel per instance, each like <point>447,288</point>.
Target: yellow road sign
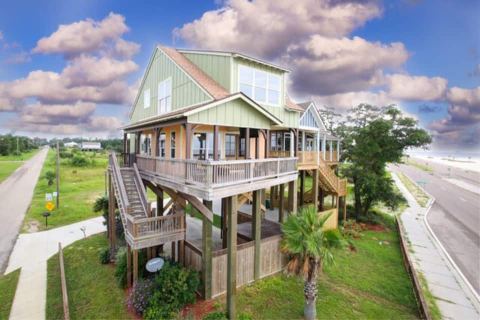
<point>49,206</point>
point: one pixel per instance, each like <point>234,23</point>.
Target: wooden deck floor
<point>269,228</point>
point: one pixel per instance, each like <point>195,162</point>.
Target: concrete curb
<point>464,283</point>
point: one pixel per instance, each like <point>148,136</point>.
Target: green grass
<point>79,187</point>
<point>430,299</point>
<point>370,283</point>
<point>420,196</point>
<point>8,285</point>
<point>22,157</point>
<point>92,288</point>
<point>7,168</point>
<point>416,164</point>
<point>10,163</point>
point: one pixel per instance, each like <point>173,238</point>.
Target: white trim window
<point>263,87</point>
<point>162,144</point>
<point>165,96</point>
<point>146,98</point>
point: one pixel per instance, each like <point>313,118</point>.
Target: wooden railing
<point>218,173</point>
<point>140,190</point>
<point>145,227</point>
<point>279,153</point>
<point>308,157</point>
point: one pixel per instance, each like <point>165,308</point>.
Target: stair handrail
<point>141,191</point>
<point>118,178</point>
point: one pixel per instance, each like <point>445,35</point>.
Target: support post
<point>207,253</point>
<point>129,266</point>
<point>331,150</point>
<point>135,265</point>
<point>281,205</point>
<point>231,256</point>
<point>302,187</point>
<point>215,143</point>
<point>321,196</point>
<point>257,232</point>
<point>188,142</point>
<point>224,222</point>
<point>111,213</point>
<point>267,143</point>
<point>292,197</point>
<point>247,143</point>
<point>272,197</point>
<point>315,189</point>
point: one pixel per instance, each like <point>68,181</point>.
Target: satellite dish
<point>155,264</point>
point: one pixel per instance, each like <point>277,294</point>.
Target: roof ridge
<point>197,74</point>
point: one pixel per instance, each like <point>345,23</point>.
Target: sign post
<point>58,175</point>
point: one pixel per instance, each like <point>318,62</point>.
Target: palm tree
<point>305,244</point>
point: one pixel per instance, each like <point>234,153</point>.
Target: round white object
<point>155,264</point>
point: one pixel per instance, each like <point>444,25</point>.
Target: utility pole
<point>58,175</point>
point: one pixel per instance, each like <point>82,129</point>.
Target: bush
<point>104,256</point>
<point>50,176</point>
<point>351,229</point>
<point>140,295</point>
<point>79,161</point>
<point>174,287</point>
<point>65,154</point>
<point>121,267</point>
<point>335,238</point>
<point>217,315</point>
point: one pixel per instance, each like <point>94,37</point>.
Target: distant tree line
<point>16,145</point>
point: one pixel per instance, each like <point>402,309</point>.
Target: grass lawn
<point>10,163</point>
<point>8,285</point>
<point>7,167</point>
<point>422,166</point>
<point>370,283</point>
<point>92,288</point>
<point>79,187</point>
<point>421,197</point>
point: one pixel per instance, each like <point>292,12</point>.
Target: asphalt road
<point>455,215</point>
<point>15,196</point>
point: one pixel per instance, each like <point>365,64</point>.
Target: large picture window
<point>261,86</point>
<point>165,96</point>
<point>280,141</point>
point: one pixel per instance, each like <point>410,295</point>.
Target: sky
<point>72,68</point>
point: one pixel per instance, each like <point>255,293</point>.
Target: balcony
<point>210,179</point>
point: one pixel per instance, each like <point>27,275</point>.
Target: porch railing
<point>218,173</point>
<point>308,157</point>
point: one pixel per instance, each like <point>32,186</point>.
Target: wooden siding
<point>308,120</point>
<point>235,113</point>
<point>185,91</point>
<point>272,261</point>
<point>289,118</point>
<point>332,221</point>
<point>218,67</point>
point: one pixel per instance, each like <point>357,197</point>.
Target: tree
<point>50,176</point>
<point>307,247</point>
<point>372,137</point>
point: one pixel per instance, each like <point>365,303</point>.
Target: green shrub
<point>50,176</point>
<point>335,238</point>
<point>121,267</point>
<point>140,295</point>
<point>79,161</point>
<point>104,256</point>
<point>217,315</point>
<point>174,287</point>
<point>65,154</point>
<point>244,316</point>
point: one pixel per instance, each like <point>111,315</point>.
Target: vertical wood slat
<point>66,310</point>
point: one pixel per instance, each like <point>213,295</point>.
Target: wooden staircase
<point>141,230</point>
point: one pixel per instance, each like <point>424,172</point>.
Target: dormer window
<point>261,86</point>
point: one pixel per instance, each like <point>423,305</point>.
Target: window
<point>263,87</point>
<point>242,147</point>
<point>146,144</point>
<point>230,145</point>
<point>161,145</point>
<point>146,98</point>
<point>280,141</point>
<point>200,149</point>
<point>172,145</point>
<point>165,96</point>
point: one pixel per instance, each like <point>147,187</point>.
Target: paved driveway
<point>15,196</point>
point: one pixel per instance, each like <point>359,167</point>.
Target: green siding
<point>216,66</point>
<point>185,91</point>
<point>236,113</point>
<point>289,118</point>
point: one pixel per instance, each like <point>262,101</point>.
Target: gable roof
<point>292,105</point>
<point>207,83</point>
<point>310,107</point>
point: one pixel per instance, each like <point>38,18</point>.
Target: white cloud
<point>83,36</point>
<point>467,97</point>
<point>416,88</point>
<point>329,66</point>
<point>267,28</point>
<point>342,102</point>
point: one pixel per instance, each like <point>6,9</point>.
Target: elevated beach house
<point>227,154</point>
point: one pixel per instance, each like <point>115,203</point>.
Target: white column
<point>338,150</point>
<point>318,147</point>
<point>331,151</point>
<point>324,147</point>
<point>303,140</point>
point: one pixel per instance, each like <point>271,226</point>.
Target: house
<point>71,144</point>
<point>91,146</point>
<point>217,129</point>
